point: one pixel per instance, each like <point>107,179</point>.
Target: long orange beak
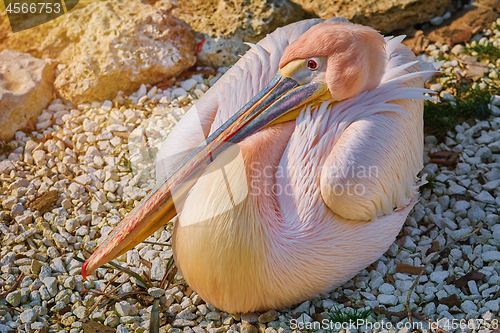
<point>277,102</point>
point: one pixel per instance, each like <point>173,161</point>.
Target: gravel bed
<point>100,157</point>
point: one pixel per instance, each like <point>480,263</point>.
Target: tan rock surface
<point>117,45</point>
<point>29,41</point>
<point>225,25</point>
<point>26,88</point>
<point>462,25</point>
<point>382,15</point>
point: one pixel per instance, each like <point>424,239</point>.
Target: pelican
<point>295,171</point>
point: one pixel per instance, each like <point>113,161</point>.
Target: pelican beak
<point>279,101</point>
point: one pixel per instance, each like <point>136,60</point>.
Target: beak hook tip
<point>84,269</point>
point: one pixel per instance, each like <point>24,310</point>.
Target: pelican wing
<point>371,170</point>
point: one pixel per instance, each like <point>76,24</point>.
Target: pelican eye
<point>312,64</point>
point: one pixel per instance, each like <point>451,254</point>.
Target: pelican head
<point>271,250</point>
<point>348,58</point>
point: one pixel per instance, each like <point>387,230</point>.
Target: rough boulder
<point>26,88</point>
<point>117,45</point>
<point>224,26</point>
<point>383,15</point>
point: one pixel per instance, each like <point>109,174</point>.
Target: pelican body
<point>295,171</point>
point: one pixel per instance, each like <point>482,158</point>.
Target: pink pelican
<point>314,140</point>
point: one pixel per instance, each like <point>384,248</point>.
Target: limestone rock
<point>224,26</point>
<point>384,16</point>
<point>465,22</point>
<point>117,45</point>
<point>26,88</point>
